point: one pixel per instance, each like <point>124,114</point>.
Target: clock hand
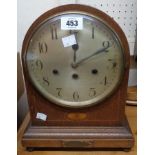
<point>75,47</point>
<point>74,65</point>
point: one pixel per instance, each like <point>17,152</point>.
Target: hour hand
<point>75,47</point>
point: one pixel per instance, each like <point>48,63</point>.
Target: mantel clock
<point>76,62</point>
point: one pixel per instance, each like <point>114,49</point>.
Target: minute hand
<point>86,58</point>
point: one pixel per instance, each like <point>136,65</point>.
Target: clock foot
<point>30,149</point>
<point>127,149</point>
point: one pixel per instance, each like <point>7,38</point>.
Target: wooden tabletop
<point>131,112</point>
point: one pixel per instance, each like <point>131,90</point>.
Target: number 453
<point>72,23</point>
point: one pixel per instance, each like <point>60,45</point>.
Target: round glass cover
<point>81,74</point>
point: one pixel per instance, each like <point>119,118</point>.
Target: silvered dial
<point>79,75</point>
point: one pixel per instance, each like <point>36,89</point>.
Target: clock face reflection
<point>79,75</point>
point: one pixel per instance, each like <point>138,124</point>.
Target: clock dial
<point>78,75</point>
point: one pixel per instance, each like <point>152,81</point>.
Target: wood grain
<point>131,112</point>
<point>132,93</point>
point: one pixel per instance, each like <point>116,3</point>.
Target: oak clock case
<point>77,78</point>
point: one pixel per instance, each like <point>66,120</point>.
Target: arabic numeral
<point>46,81</point>
<point>43,47</point>
<point>39,64</point>
<point>76,96</point>
<point>106,44</point>
<point>53,31</point>
<point>59,91</point>
<point>92,92</point>
<point>72,23</point>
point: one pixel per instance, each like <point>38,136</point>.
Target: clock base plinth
<point>78,137</point>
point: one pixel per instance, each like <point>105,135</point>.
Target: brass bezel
<point>86,103</point>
